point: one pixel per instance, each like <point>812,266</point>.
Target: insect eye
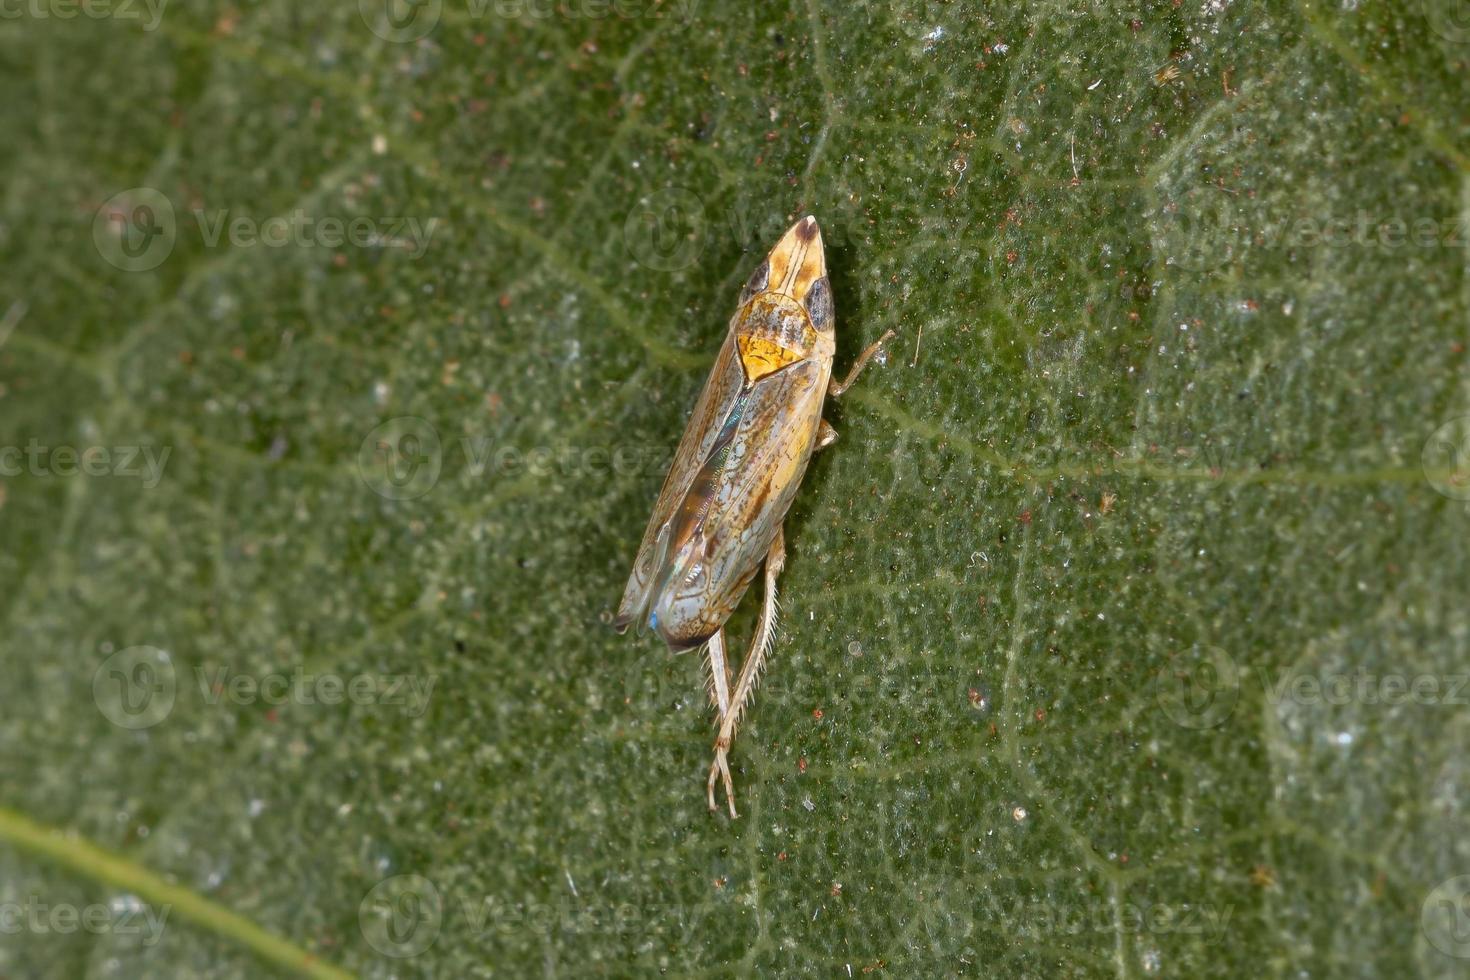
<point>757,282</point>
<point>819,304</point>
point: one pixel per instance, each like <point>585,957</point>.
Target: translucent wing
<point>721,392</point>
<point>740,500</point>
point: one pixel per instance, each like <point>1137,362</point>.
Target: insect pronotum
<point>735,473</point>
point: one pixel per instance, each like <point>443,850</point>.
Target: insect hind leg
<point>719,675</point>
<point>749,674</point>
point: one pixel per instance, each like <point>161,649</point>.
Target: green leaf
<point>1124,628</point>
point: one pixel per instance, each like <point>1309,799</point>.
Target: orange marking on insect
<point>761,356</point>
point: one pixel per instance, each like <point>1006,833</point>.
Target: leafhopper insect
<point>735,473</point>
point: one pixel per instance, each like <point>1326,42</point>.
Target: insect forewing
<point>743,504</point>
<point>721,391</point>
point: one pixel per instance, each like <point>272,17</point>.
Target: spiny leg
<point>749,671</point>
<point>835,388</point>
<point>719,693</point>
<point>719,673</point>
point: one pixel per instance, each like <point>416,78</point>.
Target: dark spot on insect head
<point>819,304</point>
<point>806,229</point>
<point>757,282</point>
